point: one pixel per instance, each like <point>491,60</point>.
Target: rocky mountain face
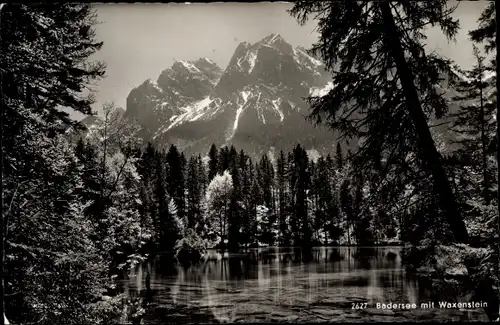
<point>256,103</point>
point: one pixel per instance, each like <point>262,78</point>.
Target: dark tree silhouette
<point>385,85</point>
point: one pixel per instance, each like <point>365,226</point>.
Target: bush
<point>190,249</point>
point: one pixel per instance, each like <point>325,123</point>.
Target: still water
<point>286,285</point>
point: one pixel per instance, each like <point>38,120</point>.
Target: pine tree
<point>281,182</point>
<point>338,157</point>
<point>486,31</point>
<point>193,193</point>
<point>474,125</point>
<point>361,214</point>
<point>234,213</point>
<point>246,194</point>
<point>213,163</point>
<point>147,163</point>
<point>202,175</point>
<point>44,65</point>
<point>314,208</point>
<point>223,160</point>
<point>167,233</point>
<point>326,214</point>
<point>254,203</point>
<point>87,157</point>
<point>346,204</point>
<point>299,182</point>
<point>176,181</point>
<point>385,81</point>
<point>265,176</point>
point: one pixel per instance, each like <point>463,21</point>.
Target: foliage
<point>76,213</point>
<point>190,248</point>
<point>54,270</point>
<point>218,196</point>
<point>386,88</point>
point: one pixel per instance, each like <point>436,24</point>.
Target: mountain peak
<point>259,92</point>
<point>271,39</point>
<point>185,65</point>
<point>205,60</point>
<point>276,42</point>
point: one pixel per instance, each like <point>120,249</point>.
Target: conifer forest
<point>92,213</point>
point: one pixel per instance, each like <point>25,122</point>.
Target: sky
<point>141,40</point>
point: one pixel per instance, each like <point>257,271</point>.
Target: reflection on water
<point>283,282</point>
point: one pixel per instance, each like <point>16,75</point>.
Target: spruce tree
<point>386,84</point>
<point>193,192</point>
<point>176,181</point>
<point>234,215</point>
<point>223,160</point>
<point>486,31</point>
<point>346,204</point>
<point>213,163</point>
<point>162,217</point>
<point>254,200</point>
<point>246,196</point>
<point>326,213</point>
<point>338,156</point>
<point>281,181</point>
<point>265,176</point>
<point>202,174</point>
<point>44,65</point>
<point>474,125</point>
<point>301,228</point>
<point>146,164</point>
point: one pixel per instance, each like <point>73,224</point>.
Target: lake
<point>342,284</point>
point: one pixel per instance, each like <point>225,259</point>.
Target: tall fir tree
<point>44,65</point>
<point>194,192</point>
<point>338,156</point>
<point>234,217</point>
<point>371,48</point>
<point>213,162</point>
<point>176,181</point>
<point>474,125</point>
<point>281,184</point>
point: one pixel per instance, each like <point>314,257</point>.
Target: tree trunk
<point>431,157</point>
<point>103,167</point>
<point>2,230</point>
<point>326,236</point>
<point>348,233</point>
<point>497,12</point>
<point>483,144</point>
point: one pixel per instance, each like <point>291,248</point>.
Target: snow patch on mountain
<point>303,54</point>
<point>251,60</point>
<point>276,104</point>
<point>260,111</point>
<point>247,62</point>
<point>208,60</point>
<point>190,113</point>
<point>320,92</point>
<point>273,37</point>
<point>459,74</point>
<point>244,95</point>
<point>155,85</point>
<point>190,67</point>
